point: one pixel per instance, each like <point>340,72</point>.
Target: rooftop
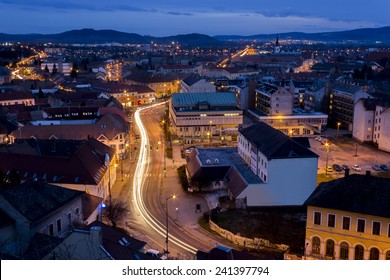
<point>354,193</point>
<point>214,99</point>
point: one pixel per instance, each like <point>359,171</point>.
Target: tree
<point>47,69</point>
<point>115,211</point>
<point>73,73</point>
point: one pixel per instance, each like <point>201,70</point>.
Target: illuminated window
<point>344,251</point>
<point>388,255</point>
<point>316,245</point>
<point>374,254</point>
<point>359,252</point>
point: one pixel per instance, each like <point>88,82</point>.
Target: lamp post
<point>290,132</point>
<point>211,135</point>
<point>109,179</point>
<point>338,127</point>
<point>166,221</point>
<point>327,152</point>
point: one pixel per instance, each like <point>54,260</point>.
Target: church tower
<point>277,46</point>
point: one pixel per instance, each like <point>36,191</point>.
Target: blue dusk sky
<point>211,17</point>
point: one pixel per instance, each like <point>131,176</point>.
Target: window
<point>388,255</point>
<point>331,220</point>
<point>329,252</point>
<point>346,223</point>
<point>344,251</point>
<point>317,218</point>
<point>359,252</point>
<point>361,224</point>
<point>51,229</point>
<point>316,246</point>
<point>374,254</point>
<point>59,226</point>
<point>376,228</point>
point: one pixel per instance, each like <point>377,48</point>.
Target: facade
<point>270,153</point>
<point>205,116</point>
<point>109,129</point>
<point>273,100</point>
<point>342,100</point>
<point>16,97</point>
<point>84,165</point>
<point>59,208</point>
<point>371,122</point>
<point>196,84</point>
<point>349,219</point>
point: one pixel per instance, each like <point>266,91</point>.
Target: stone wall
<point>249,243</point>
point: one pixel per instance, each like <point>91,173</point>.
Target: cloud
<point>179,14</point>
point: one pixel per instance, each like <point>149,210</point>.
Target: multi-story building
<point>17,97</point>
<point>270,153</point>
<point>342,99</point>
<point>371,122</point>
<point>274,106</point>
<point>349,219</point>
<point>109,129</point>
<point>36,207</point>
<point>204,115</point>
<point>87,165</point>
<point>196,84</point>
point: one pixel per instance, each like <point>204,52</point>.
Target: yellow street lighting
<point>166,220</point>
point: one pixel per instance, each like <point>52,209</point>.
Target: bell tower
<point>277,46</point>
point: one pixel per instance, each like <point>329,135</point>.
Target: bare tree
<point>115,211</point>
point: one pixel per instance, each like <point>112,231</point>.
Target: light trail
<point>142,168</point>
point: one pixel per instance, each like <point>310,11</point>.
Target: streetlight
<point>290,132</point>
<point>165,165</point>
<point>327,152</point>
<point>338,127</point>
<point>166,220</point>
<point>211,135</point>
<point>109,179</point>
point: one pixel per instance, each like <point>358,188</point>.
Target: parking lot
<point>345,150</point>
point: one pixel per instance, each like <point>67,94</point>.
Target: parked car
<point>345,167</point>
<point>318,138</point>
<point>156,254</point>
<point>384,167</point>
<point>376,167</point>
<point>337,167</point>
<point>328,169</point>
<point>356,167</point>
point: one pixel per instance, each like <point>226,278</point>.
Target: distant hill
<point>91,36</point>
<point>363,35</point>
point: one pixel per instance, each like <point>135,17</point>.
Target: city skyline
<point>158,18</point>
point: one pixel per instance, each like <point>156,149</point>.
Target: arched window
<point>344,251</point>
<point>374,254</point>
<point>388,255</point>
<point>359,252</point>
<point>316,246</point>
<point>329,252</point>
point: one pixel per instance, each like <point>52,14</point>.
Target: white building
<point>195,83</point>
<point>371,122</point>
<point>288,169</point>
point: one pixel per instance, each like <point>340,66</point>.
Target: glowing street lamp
<point>338,127</point>
<point>327,153</point>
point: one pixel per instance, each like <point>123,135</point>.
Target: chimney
<point>346,172</point>
<point>368,173</point>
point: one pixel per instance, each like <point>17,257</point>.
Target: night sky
<point>172,17</point>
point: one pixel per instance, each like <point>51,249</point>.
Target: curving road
<point>147,190</point>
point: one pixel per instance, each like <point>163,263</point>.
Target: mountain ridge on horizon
<point>92,36</point>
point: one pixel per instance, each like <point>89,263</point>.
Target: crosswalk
<point>150,175</point>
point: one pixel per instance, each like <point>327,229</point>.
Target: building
<point>270,153</point>
<point>98,242</point>
<point>110,129</point>
<point>371,122</point>
<point>85,165</point>
<point>36,207</point>
<point>17,97</point>
<point>5,75</point>
<point>274,105</point>
<point>349,219</point>
<point>343,97</point>
<point>205,116</point>
<point>196,83</point>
